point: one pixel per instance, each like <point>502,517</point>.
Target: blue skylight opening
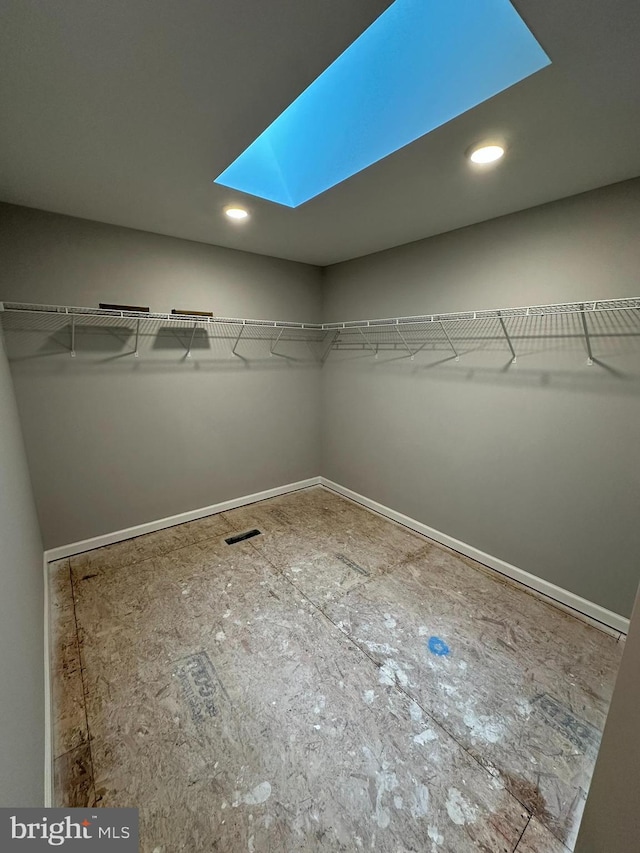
<point>421,64</point>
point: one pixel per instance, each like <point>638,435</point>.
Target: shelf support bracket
<point>406,345</point>
<point>73,337</point>
<point>136,353</point>
<point>446,334</point>
<point>238,341</point>
<point>275,344</point>
<point>328,349</point>
<point>193,334</point>
<point>587,336</point>
<point>368,343</point>
<point>506,334</point>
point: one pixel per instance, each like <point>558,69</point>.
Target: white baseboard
<point>150,527</point>
<point>48,698</point>
<point>580,607</point>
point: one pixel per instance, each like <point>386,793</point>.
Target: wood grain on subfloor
<point>537,839</point>
<point>282,694</point>
<point>70,720</point>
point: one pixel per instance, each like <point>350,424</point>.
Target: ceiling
<point>125,111</point>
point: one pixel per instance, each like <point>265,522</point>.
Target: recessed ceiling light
<point>486,153</point>
<point>236,213</point>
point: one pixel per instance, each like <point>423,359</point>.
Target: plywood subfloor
<point>337,683</point>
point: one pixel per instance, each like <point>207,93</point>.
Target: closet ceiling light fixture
<point>486,153</point>
<point>236,213</point>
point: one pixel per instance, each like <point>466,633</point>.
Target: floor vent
<point>242,536</point>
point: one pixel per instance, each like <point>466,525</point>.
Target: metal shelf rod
<point>238,339</point>
<point>506,334</point>
<point>404,341</point>
<point>275,343</point>
<point>587,338</point>
<point>446,334</point>
<point>368,343</point>
<point>193,334</point>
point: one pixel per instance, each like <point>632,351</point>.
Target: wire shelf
<point>451,330</point>
<point>76,311</point>
<point>513,329</point>
<point>496,314</point>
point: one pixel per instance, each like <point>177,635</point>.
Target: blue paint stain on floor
<point>438,646</point>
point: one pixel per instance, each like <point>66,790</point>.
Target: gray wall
<point>21,610</point>
<point>114,441</point>
<point>535,463</point>
<point>611,820</point>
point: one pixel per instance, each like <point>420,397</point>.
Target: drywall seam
<point>63,551</point>
<point>48,695</point>
<point>582,608</point>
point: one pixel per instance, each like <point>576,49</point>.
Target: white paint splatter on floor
<point>369,696</point>
<point>259,794</point>
<point>386,781</point>
<point>420,806</point>
<point>436,838</point>
<point>425,737</point>
<point>459,809</point>
<point>390,672</point>
<point>381,648</point>
<point>483,728</point>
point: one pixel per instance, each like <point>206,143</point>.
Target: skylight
<point>419,65</point>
